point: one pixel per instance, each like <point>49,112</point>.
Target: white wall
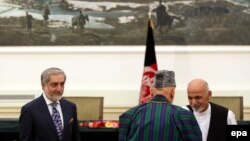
<point>115,72</point>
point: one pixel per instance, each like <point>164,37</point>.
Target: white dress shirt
<point>58,107</point>
<point>203,120</point>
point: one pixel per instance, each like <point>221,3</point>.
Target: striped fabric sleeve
<point>188,126</point>
<point>124,124</point>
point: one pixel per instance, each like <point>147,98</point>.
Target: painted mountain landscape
<point>123,22</point>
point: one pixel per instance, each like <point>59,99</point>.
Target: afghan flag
<point>150,66</point>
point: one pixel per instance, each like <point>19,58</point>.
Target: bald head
<point>198,85</point>
<point>198,94</point>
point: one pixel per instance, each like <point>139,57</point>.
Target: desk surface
<point>9,131</point>
<point>12,125</point>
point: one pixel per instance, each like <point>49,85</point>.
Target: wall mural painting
<point>123,22</point>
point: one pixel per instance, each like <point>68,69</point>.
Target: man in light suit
<point>50,117</point>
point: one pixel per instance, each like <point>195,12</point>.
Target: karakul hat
<point>164,78</point>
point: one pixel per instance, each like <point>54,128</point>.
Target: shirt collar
<point>207,112</point>
<point>48,101</point>
<point>159,98</point>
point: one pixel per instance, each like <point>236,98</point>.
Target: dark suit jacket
<point>36,123</point>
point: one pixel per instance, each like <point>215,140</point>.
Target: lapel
<point>65,112</point>
<point>44,112</point>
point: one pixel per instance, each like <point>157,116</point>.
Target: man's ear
<point>210,93</point>
<point>42,86</point>
<point>172,94</point>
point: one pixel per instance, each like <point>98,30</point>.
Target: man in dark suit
<point>50,117</point>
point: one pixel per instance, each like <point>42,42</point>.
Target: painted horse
<point>79,21</point>
<point>163,18</point>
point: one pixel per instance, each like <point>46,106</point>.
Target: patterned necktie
<point>57,120</point>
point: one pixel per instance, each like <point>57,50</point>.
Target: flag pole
<point>150,17</point>
<point>149,12</point>
<point>150,65</point>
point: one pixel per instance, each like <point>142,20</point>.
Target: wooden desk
<point>9,131</point>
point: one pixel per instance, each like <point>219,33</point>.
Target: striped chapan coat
<point>158,120</point>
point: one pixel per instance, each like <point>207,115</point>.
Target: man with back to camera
<point>50,117</point>
<point>158,119</point>
<point>212,118</point>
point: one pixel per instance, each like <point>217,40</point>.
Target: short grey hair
<point>45,76</point>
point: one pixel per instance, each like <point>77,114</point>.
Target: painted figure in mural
<point>163,18</point>
<point>79,21</point>
<point>29,19</point>
<point>46,13</point>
